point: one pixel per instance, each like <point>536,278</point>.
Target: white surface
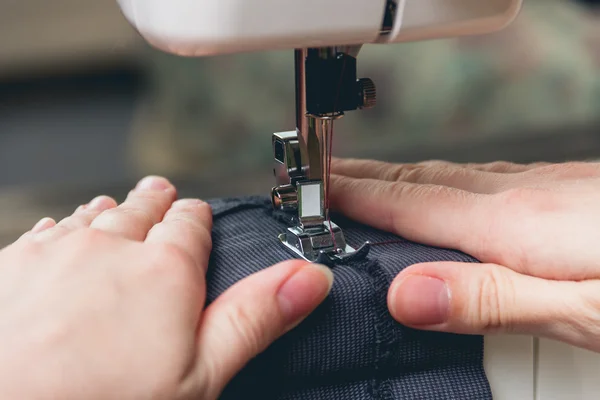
<point>434,19</point>
<point>208,27</point>
<point>310,200</point>
<point>509,365</point>
<point>524,368</point>
<point>204,27</point>
<point>567,373</point>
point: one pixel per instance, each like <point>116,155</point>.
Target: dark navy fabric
<point>350,347</point>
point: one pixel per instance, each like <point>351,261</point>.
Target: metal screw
<point>367,93</point>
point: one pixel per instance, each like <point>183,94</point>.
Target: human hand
<point>109,304</point>
<point>534,228</point>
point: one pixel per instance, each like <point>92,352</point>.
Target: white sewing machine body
<point>209,27</point>
<point>518,368</point>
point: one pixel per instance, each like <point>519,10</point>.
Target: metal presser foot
<point>312,238</point>
<point>326,87</point>
<point>316,248</point>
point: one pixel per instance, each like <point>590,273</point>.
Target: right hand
<point>535,228</point>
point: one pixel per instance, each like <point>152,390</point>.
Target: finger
<point>252,314</point>
<point>81,218</point>
<point>371,169</point>
<point>43,224</point>
<point>434,173</point>
<point>366,169</point>
<point>40,226</point>
<point>145,206</point>
<point>503,167</point>
<point>187,225</point>
<point>434,215</point>
<point>506,167</point>
<point>489,298</point>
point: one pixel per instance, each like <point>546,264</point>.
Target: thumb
<point>487,298</point>
<point>253,313</point>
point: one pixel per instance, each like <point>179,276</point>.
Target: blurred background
<point>86,107</point>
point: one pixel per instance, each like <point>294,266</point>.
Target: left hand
<point>109,304</point>
<point>533,227</point>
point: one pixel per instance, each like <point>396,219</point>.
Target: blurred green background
<point>86,107</point>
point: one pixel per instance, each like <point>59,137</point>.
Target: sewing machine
<point>326,37</point>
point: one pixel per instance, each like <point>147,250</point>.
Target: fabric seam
<point>380,387</point>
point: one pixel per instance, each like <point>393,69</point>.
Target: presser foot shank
<point>326,88</point>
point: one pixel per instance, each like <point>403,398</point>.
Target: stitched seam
<point>384,339</point>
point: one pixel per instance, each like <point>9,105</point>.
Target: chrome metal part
<point>284,198</point>
<point>288,160</point>
<point>310,244</point>
<point>368,93</point>
<point>317,247</point>
<point>326,87</point>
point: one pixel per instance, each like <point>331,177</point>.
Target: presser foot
<point>316,244</point>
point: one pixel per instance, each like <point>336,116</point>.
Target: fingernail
<point>154,183</point>
<point>420,301</point>
<point>43,224</point>
<point>101,203</point>
<point>184,203</point>
<point>304,291</point>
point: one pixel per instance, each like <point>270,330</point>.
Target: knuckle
<point>499,166</point>
<point>588,318</point>
<point>436,174</point>
<point>147,195</point>
<point>91,236</point>
<point>174,261</point>
<point>193,212</point>
<point>190,223</point>
<point>404,172</point>
<point>570,170</point>
<point>58,229</point>
<point>495,296</point>
<point>82,241</point>
<point>147,200</point>
<point>455,176</point>
<point>249,329</point>
<point>73,223</point>
<point>173,253</point>
<point>137,214</point>
<point>417,175</point>
<point>537,165</point>
<point>191,204</point>
<point>109,217</point>
<point>435,163</point>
